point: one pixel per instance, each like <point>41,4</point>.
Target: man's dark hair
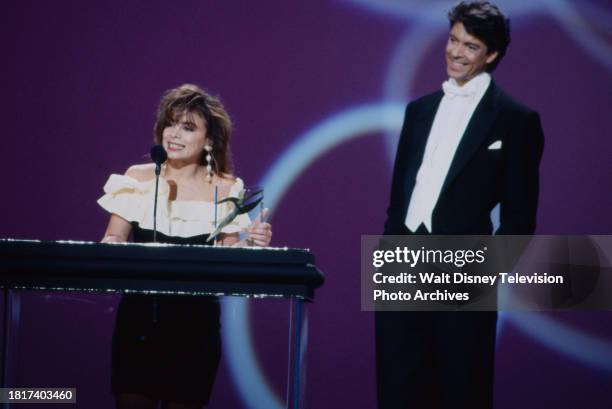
<point>486,22</point>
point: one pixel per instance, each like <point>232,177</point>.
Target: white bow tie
<point>451,89</point>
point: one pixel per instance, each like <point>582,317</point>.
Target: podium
<point>159,269</point>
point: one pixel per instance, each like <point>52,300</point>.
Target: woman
<point>166,349</point>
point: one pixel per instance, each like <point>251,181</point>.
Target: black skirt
<point>166,347</point>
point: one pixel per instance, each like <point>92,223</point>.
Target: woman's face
<point>185,138</point>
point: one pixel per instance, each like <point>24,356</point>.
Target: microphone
<point>159,156</point>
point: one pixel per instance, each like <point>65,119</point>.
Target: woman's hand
<point>118,230</point>
<point>259,232</point>
<point>112,239</point>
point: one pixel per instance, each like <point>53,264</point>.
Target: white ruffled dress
<point>134,201</point>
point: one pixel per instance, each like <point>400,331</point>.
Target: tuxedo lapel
<point>476,132</point>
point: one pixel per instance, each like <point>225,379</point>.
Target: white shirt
<point>451,120</point>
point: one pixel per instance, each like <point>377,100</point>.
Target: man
<point>462,150</point>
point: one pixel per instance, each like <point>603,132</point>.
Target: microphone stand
<point>159,156</point>
<point>216,204</point>
<point>157,172</point>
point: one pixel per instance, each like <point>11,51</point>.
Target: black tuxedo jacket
<point>478,177</point>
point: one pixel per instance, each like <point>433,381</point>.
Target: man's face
<point>466,55</point>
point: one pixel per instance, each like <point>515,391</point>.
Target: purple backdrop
<point>81,82</point>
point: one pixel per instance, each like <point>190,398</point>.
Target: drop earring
<point>209,160</point>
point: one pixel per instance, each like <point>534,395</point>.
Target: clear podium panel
<point>254,359</point>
